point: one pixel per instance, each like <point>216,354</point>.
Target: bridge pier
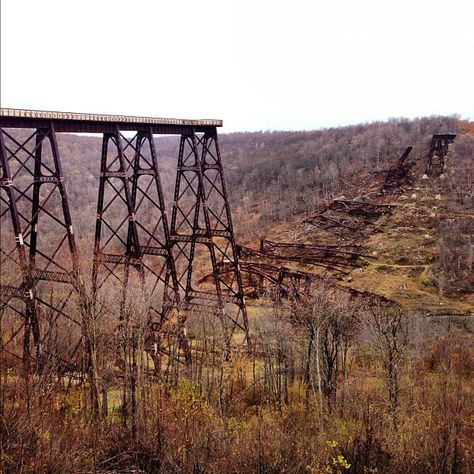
<point>34,194</point>
<point>201,219</point>
<point>129,185</point>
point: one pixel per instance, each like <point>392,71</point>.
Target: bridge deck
<point>97,123</point>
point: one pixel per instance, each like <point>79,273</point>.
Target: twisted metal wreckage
<point>43,272</point>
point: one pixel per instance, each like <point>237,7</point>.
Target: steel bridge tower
<point>438,150</point>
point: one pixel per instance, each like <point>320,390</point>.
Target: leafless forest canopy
<point>272,175</point>
<point>334,383</point>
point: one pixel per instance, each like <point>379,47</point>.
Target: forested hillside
<point>271,176</point>
<point>276,179</point>
<point>359,282</point>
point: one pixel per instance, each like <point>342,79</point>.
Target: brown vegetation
<point>335,385</point>
<point>341,378</point>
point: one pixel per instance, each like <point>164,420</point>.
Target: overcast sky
<point>258,65</point>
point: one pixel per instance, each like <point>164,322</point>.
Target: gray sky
<point>258,65</point>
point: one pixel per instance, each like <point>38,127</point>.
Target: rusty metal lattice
<point>126,238</point>
<point>201,227</point>
<point>39,275</point>
<point>41,287</point>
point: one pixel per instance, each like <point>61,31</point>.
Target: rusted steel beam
<point>398,172</point>
<point>311,248</point>
<point>319,260</point>
<point>287,282</point>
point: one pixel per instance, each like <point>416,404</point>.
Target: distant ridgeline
<point>271,176</point>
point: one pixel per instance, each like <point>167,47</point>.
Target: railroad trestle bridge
<point>39,252</point>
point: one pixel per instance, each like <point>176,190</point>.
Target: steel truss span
<point>43,294</point>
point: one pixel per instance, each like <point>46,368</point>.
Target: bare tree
<point>328,319</point>
<point>387,329</point>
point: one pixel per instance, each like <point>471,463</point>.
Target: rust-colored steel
<point>396,174</point>
<point>45,278</point>
<point>35,197</point>
<point>201,226</point>
<point>281,280</point>
<point>438,150</point>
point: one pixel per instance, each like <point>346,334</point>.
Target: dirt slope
<point>401,241</point>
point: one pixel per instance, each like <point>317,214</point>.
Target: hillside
<point>276,180</point>
<point>358,274</point>
<point>417,247</point>
<point>271,176</point>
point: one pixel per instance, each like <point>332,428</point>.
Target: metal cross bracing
<point>39,270</point>
<point>41,287</point>
<point>201,231</point>
<point>132,231</point>
<point>438,150</point>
